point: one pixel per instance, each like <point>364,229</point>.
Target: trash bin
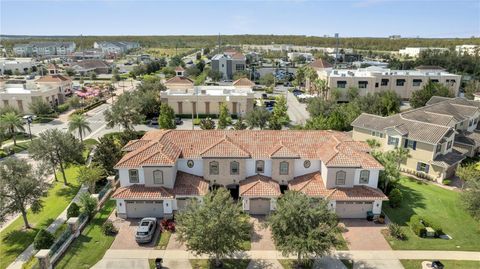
<point>437,265</point>
<point>369,215</point>
<point>158,263</point>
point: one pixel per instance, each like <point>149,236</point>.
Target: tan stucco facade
<point>204,104</point>
<point>283,179</point>
<point>224,176</point>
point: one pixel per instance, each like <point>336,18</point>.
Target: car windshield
<point>144,224</point>
<point>142,233</point>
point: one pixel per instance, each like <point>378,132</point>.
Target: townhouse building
<point>115,47</point>
<point>44,49</point>
<point>13,65</point>
<point>439,135</point>
<point>185,98</point>
<point>229,63</point>
<point>164,169</point>
<point>377,79</point>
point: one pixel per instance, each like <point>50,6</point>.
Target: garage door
<point>353,209</point>
<point>259,206</point>
<point>143,209</point>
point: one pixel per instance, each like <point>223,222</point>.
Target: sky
<point>349,18</point>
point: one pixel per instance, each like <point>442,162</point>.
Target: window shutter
<point>414,145</point>
<point>406,143</point>
<point>427,167</point>
<point>418,166</point>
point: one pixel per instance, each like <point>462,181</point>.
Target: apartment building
<point>115,47</point>
<point>12,65</point>
<point>185,98</point>
<point>468,49</point>
<point>376,79</point>
<point>292,56</point>
<point>414,52</point>
<point>44,49</point>
<point>164,169</point>
<point>439,135</point>
<point>229,63</point>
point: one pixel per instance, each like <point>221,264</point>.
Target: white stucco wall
<point>121,207</point>
<point>168,206</point>
<point>197,168</point>
<point>372,181</point>
<point>250,167</point>
<point>301,170</point>
<point>245,204</point>
<point>377,207</point>
<point>332,205</point>
<point>124,177</point>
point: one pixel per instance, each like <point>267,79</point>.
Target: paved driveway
<point>261,236</point>
<point>125,238</point>
<point>364,235</point>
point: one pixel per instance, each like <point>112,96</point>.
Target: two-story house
<point>164,169</point>
<point>438,135</point>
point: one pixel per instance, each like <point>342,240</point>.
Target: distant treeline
<point>364,43</point>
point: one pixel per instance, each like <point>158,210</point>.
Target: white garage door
<point>259,206</point>
<point>353,209</point>
<point>143,209</point>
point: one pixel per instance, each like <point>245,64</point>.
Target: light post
<point>28,119</point>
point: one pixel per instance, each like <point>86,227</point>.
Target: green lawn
<point>450,264</point>
<point>91,245</point>
<point>163,240</point>
<point>440,205</point>
<point>227,264</point>
<point>15,239</point>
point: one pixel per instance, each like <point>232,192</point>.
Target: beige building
<point>164,169</point>
<point>439,135</point>
<point>185,98</point>
<point>376,79</point>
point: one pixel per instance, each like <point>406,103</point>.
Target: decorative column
<point>43,257</point>
<point>73,226</point>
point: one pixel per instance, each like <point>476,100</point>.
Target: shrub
<point>447,182</point>
<point>167,225</point>
<point>108,228</point>
<point>73,211</point>
<point>395,198</point>
<point>434,225</point>
<point>89,204</point>
<point>417,226</point>
<point>43,240</point>
<point>196,121</point>
<point>63,107</point>
<point>396,231</point>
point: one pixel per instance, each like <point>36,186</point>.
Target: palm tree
<point>12,122</point>
<point>321,86</point>
<point>80,123</point>
<point>401,155</point>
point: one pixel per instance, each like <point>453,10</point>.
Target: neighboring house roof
<point>165,146</point>
<point>53,78</point>
<point>90,64</point>
<point>140,191</point>
<point>243,82</point>
<point>259,186</point>
<point>179,80</point>
<point>449,159</point>
<point>238,56</point>
<point>320,64</point>
<point>190,185</point>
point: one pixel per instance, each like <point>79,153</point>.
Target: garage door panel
<point>353,209</point>
<point>142,209</point>
<point>259,206</point>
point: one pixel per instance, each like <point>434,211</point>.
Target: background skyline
<point>362,18</point>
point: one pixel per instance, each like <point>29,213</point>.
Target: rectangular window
<point>213,168</point>
<point>362,84</point>
<point>422,167</point>
<point>434,80</point>
<point>410,144</point>
<point>234,168</point>
<point>341,84</point>
<point>416,82</point>
<point>240,67</point>
<point>259,166</point>
<point>400,82</point>
<point>470,123</point>
<point>340,178</point>
<point>157,177</point>
<point>283,168</point>
<point>377,134</point>
<point>393,141</point>
<point>439,148</point>
<point>384,82</point>
<point>449,145</point>
<point>376,84</point>
<point>133,175</point>
<point>364,176</point>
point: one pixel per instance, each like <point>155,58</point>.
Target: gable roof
<point>282,151</point>
<point>259,186</point>
<point>53,78</point>
<point>320,64</point>
<point>140,191</point>
<point>310,184</point>
<point>190,185</point>
<point>179,80</point>
<point>243,82</point>
<point>224,148</point>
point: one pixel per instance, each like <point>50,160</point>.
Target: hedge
<point>202,116</point>
<point>89,107</point>
<point>417,226</point>
<point>435,225</point>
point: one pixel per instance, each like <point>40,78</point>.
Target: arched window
<point>234,168</point>
<point>157,177</point>
<point>340,178</point>
<point>283,168</point>
<point>214,168</point>
<point>364,176</point>
<point>259,166</point>
<point>133,175</point>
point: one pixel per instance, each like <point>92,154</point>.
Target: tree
<point>70,72</point>
<point>40,107</point>
<point>401,155</point>
<point>468,172</point>
<point>390,175</point>
<point>166,120</point>
<point>279,115</point>
<point>80,124</point>
<point>176,61</point>
<point>223,117</point>
<point>90,175</point>
<point>267,79</point>
<point>12,122</point>
<point>74,102</point>
<point>321,87</point>
<point>215,75</point>
<point>73,210</point>
<point>395,198</point>
<point>473,86</point>
<point>124,112</point>
<point>216,227</point>
<point>352,93</point>
<point>257,117</point>
<point>420,97</point>
<point>20,186</point>
<point>43,240</point>
<point>303,226</point>
<point>207,124</point>
<point>311,77</point>
<point>239,124</point>
<point>58,149</point>
<point>107,154</point>
<point>471,198</point>
<point>88,204</point>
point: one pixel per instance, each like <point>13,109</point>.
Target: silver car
<point>146,230</point>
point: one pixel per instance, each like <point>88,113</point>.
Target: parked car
<point>297,92</point>
<point>178,121</point>
<point>146,230</point>
<point>270,103</point>
<point>264,96</point>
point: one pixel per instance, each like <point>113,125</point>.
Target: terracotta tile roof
<point>134,144</point>
<point>259,186</point>
<point>53,78</point>
<point>238,56</point>
<point>179,69</point>
<point>357,193</point>
<point>190,185</point>
<point>140,192</point>
<point>310,184</point>
<point>243,82</point>
<point>179,80</point>
<point>329,146</point>
<point>320,64</point>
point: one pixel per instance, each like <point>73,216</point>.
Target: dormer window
<point>340,178</point>
<point>133,176</point>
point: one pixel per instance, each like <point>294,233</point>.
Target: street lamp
<point>29,119</point>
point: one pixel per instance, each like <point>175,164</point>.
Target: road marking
<point>96,131</point>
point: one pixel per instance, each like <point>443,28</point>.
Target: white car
<point>146,230</point>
